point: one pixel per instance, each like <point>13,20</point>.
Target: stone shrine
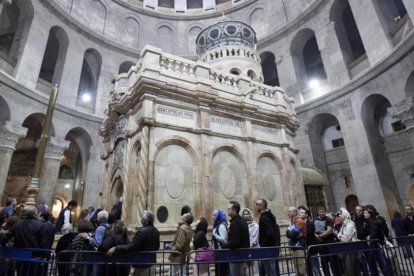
<point>200,133</point>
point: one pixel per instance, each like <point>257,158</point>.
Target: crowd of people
<point>104,231</point>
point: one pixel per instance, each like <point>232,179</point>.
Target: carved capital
<point>10,134</point>
<point>404,111</point>
<point>56,147</point>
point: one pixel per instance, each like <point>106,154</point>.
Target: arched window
<point>313,61</point>
<point>54,56</point>
<point>269,69</point>
<point>125,66</point>
<point>88,83</point>
<point>347,31</point>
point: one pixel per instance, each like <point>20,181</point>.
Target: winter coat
<point>267,230</point>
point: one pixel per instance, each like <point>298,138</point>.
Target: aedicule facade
<point>203,133</point>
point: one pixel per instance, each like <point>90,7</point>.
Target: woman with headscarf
<point>200,243</point>
<point>253,267</point>
<point>220,236</point>
<point>347,233</point>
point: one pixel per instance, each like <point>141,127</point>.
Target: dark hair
<point>45,216</point>
<point>120,229</point>
<point>73,203</point>
<point>10,201</point>
<point>372,208</point>
<point>303,207</point>
<point>235,206</point>
<point>186,209</point>
<point>85,226</point>
<point>11,221</point>
<point>202,226</point>
<point>200,240</point>
<point>264,203</point>
<point>188,218</point>
<point>397,214</point>
<point>321,208</point>
<point>83,213</point>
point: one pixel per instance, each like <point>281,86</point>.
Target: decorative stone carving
<point>55,148</point>
<point>119,154</point>
<point>121,128</point>
<point>10,133</point>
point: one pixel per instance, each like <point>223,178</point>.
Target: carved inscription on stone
<point>175,112</point>
<point>225,122</point>
<point>264,129</point>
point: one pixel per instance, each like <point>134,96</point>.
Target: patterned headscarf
<point>250,218</point>
<point>221,218</point>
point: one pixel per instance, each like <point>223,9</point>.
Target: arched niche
<point>89,80</point>
<point>125,66</point>
<point>192,36</point>
<point>307,58</point>
<point>130,31</point>
<point>228,177</point>
<point>174,189</point>
<point>75,161</point>
<point>347,31</point>
<point>54,55</point>
<point>164,39</point>
<point>269,69</point>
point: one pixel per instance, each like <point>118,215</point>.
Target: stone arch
<point>76,159</point>
<point>97,19</point>
<point>374,115</point>
<point>15,23</point>
<point>89,79</point>
<point>347,31</point>
<point>409,86</point>
<point>326,141</point>
<point>125,66</point>
<point>165,38</point>
<point>172,190</point>
<point>269,69</point>
<point>132,30</point>
<point>306,57</point>
<point>4,110</point>
<point>193,32</point>
<point>229,177</point>
<point>55,54</point>
<point>258,21</point>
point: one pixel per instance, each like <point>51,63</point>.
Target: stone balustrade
<point>229,52</point>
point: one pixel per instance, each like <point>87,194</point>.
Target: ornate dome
<point>226,33</point>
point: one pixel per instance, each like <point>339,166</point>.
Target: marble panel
<point>175,116</point>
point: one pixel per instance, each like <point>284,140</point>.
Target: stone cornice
<point>55,148</point>
<point>209,15</point>
<point>401,51</point>
<point>10,133</point>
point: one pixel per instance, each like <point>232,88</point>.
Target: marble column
<point>404,111</point>
<point>9,135</point>
<point>50,170</point>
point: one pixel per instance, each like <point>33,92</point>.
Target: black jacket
<point>268,233</point>
<point>147,238</point>
<point>27,233</point>
<point>408,225</point>
<point>361,228</point>
<point>239,236</point>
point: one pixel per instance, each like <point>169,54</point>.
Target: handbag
<point>204,255</point>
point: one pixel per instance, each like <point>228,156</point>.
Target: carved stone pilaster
<point>50,169</point>
<point>10,134</point>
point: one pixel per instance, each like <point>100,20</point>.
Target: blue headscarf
<point>221,218</point>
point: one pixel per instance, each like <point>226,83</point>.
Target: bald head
<point>30,211</point>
